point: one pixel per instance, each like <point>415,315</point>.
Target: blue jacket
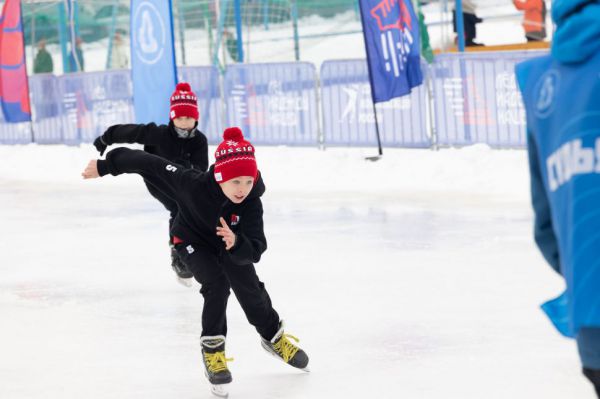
<point>561,94</point>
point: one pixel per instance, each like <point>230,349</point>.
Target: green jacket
<point>43,62</point>
<point>426,50</point>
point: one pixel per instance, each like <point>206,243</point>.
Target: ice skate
<point>184,275</point>
<point>282,348</point>
<point>215,364</point>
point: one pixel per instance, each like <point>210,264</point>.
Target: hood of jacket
<point>577,36</point>
<point>182,134</point>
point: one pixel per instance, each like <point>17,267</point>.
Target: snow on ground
<point>412,277</point>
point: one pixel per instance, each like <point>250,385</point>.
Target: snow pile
<point>475,170</point>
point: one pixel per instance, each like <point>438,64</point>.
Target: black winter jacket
<point>191,153</point>
<point>201,202</point>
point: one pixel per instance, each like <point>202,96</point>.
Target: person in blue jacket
<point>561,94</point>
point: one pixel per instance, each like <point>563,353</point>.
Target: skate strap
<point>177,240</point>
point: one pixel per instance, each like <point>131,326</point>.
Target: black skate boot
<point>282,348</point>
<point>180,269</point>
<point>215,364</point>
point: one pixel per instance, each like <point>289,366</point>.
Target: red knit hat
<point>234,157</point>
<point>184,102</point>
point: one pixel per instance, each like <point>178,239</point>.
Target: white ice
<point>412,277</point>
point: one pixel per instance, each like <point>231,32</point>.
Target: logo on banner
<point>392,43</point>
<point>284,107</point>
<point>358,107</point>
<point>149,33</point>
<point>509,107</point>
<point>395,48</point>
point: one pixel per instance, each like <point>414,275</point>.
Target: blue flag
<point>153,68</point>
<point>391,31</point>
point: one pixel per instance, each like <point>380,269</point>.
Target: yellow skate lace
<point>285,348</point>
<point>216,362</point>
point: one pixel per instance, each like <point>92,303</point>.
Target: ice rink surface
<point>412,277</point>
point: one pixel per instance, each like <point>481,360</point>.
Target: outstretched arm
<point>130,133</point>
<point>91,170</point>
<point>169,178</point>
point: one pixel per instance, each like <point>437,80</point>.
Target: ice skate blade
<point>186,282</point>
<point>305,369</point>
<point>220,390</point>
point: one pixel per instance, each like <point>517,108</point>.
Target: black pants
<point>594,377</point>
<point>217,275</point>
<point>167,202</point>
<point>469,24</point>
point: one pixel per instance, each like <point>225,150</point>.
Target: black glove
<point>100,145</point>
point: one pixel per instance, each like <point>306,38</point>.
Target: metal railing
<point>467,98</point>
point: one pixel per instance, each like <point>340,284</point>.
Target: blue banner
<point>392,42</point>
<point>153,68</point>
<point>348,117</point>
<point>273,103</point>
<point>205,83</point>
<point>14,91</point>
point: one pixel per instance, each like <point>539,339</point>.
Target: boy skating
<point>218,233</point>
<point>179,142</point>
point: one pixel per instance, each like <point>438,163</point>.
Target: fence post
<point>295,25</point>
<point>238,30</point>
<point>320,133</point>
<point>431,110</point>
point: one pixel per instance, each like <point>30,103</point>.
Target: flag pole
<point>376,157</point>
<point>27,76</point>
<point>380,150</point>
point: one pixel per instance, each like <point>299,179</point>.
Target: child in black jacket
<point>218,233</point>
<point>180,142</point>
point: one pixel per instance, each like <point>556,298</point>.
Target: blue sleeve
<point>544,235</point>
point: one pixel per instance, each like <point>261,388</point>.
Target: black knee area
<point>594,376</point>
<point>218,288</point>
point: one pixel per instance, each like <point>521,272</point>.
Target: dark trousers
<point>469,24</point>
<point>167,202</point>
<point>594,377</point>
<point>217,275</point>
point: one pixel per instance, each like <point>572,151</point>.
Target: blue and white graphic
<point>348,117</point>
<point>391,32</point>
<point>153,59</point>
<point>273,103</point>
<point>546,90</point>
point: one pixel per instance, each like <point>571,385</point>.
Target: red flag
<point>14,89</point>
